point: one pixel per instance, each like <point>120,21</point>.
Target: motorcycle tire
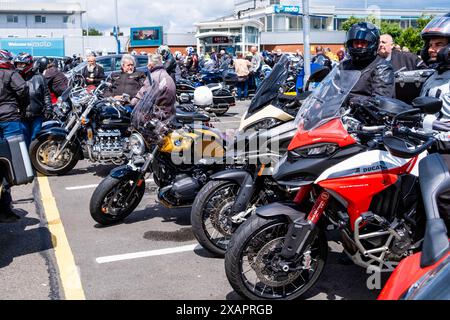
<point>199,211</point>
<point>108,188</point>
<point>222,112</point>
<point>49,170</point>
<point>253,231</point>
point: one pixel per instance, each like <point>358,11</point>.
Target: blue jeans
<point>8,129</point>
<point>242,86</point>
<point>32,127</point>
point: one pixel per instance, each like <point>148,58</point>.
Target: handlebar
<point>403,143</point>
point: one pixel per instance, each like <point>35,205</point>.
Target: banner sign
<point>36,47</point>
<point>146,37</point>
<point>294,10</point>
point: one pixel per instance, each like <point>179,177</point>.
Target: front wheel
<point>252,261</point>
<point>42,157</point>
<point>115,199</point>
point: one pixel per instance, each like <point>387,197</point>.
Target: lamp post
<point>306,40</point>
<point>116,27</point>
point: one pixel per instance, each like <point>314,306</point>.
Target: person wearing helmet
<point>56,80</point>
<point>436,54</point>
<point>169,61</point>
<point>40,100</point>
<point>191,62</point>
<point>377,75</point>
<point>14,98</point>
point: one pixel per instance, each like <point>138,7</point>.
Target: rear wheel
<point>252,261</point>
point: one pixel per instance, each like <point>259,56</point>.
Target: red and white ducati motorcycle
<point>371,196</point>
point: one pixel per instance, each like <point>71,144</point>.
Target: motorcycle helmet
<point>363,31</point>
<point>437,28</point>
<point>203,97</point>
<point>189,51</point>
<point>178,55</point>
<point>163,51</point>
<point>42,64</point>
<point>24,58</point>
<point>6,59</point>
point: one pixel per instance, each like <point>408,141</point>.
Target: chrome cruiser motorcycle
<point>96,129</point>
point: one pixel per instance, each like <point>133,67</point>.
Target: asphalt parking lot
<point>58,252</point>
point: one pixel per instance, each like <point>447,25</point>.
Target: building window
<point>40,19</point>
<point>295,23</point>
<point>274,2</point>
<point>12,19</point>
<point>66,19</point>
<point>269,25</point>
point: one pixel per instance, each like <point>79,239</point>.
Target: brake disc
<point>263,265</point>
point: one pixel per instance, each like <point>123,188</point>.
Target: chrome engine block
<point>108,145</point>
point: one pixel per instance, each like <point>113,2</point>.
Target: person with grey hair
<point>127,81</point>
<point>158,82</point>
<point>93,72</point>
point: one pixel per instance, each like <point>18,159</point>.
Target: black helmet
<point>363,31</point>
<point>25,58</point>
<point>437,28</point>
<point>42,64</point>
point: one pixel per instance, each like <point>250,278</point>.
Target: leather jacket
<point>14,96</point>
<point>40,99</point>
<point>123,82</point>
<point>377,79</point>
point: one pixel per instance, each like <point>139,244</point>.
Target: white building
<point>40,20</point>
<point>279,24</point>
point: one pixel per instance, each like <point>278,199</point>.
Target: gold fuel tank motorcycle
<point>179,155</point>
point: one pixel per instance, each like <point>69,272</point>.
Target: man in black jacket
<point>14,98</point>
<point>400,60</point>
<point>377,75</point>
<point>40,100</point>
<point>321,58</point>
<point>128,81</point>
<point>93,73</point>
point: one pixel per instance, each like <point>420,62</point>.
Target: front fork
<point>142,172</point>
<point>303,232</point>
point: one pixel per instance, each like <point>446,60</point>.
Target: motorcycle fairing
<point>358,179</point>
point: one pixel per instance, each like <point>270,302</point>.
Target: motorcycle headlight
<point>264,124</point>
<point>137,144</point>
<point>314,151</point>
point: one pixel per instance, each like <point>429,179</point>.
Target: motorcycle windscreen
<point>326,100</point>
<point>270,88</point>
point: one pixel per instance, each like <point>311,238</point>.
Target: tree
<point>349,22</point>
<point>92,32</point>
<point>392,29</point>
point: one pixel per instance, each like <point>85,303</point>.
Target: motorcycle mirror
<point>428,105</point>
<point>319,74</point>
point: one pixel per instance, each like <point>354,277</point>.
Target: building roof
<point>41,7</point>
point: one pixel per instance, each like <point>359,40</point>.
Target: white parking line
<point>93,186</point>
<point>145,254</point>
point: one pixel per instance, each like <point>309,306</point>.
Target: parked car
<point>111,63</point>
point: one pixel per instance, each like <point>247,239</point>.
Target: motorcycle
<point>97,129</point>
<point>348,180</point>
<point>425,275</point>
<point>222,97</point>
<point>231,196</point>
<point>178,181</point>
<point>179,185</point>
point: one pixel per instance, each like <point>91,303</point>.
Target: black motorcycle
<point>97,129</point>
<point>223,98</point>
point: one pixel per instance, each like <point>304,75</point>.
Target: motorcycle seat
<point>189,117</point>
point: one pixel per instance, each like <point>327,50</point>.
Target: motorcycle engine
<point>108,144</point>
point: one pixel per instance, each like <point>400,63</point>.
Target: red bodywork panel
<point>405,275</point>
<point>331,132</point>
<point>359,191</point>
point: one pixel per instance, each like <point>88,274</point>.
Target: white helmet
<point>203,97</point>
